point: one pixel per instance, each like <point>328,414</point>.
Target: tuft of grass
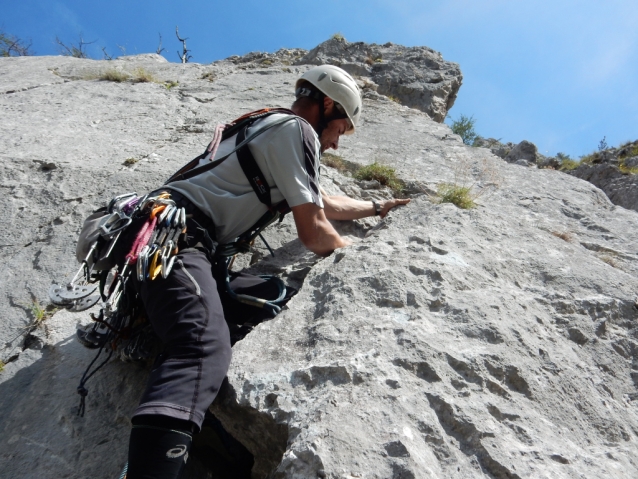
<point>266,61</point>
<point>472,180</point>
<point>460,196</point>
<point>114,76</point>
<point>338,36</point>
<point>385,175</point>
<point>609,259</point>
<point>170,84</point>
<point>39,313</point>
<point>130,161</point>
<point>140,75</point>
<point>210,76</point>
<point>393,98</point>
<point>564,235</point>
<point>2,365</point>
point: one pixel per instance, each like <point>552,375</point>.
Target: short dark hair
<point>305,102</point>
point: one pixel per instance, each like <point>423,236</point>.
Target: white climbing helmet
<point>339,86</point>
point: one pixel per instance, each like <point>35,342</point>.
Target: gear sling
<point>121,325</point>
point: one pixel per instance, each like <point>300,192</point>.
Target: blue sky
<point>562,74</point>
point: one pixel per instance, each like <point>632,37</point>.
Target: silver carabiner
<point>142,263</point>
<point>167,259</point>
<point>113,224</point>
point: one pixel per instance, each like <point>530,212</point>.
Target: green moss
<point>2,364</point>
<point>338,36</point>
<point>170,84</point>
<point>460,196</point>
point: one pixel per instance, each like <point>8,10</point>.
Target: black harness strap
<point>191,169</point>
<point>252,171</point>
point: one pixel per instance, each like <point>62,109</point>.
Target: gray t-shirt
<point>288,156</point>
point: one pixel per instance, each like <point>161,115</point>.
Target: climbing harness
<point>139,236</point>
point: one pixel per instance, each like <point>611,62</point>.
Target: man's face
<point>330,135</point>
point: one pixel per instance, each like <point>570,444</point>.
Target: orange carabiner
<point>157,211</point>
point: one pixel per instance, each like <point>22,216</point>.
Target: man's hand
<point>387,205</point>
<point>315,231</point>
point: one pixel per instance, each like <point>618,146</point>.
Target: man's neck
<point>311,115</point>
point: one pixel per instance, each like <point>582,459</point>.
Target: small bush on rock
<point>460,196</point>
<point>385,175</point>
<point>464,127</point>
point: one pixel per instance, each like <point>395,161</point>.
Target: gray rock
<point>524,163</point>
<point>631,162</point>
<point>417,76</point>
<point>608,170</point>
<point>621,189</point>
<point>497,341</point>
<point>525,150</point>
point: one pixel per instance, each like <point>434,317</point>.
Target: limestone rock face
<point>417,76</point>
<point>493,342</point>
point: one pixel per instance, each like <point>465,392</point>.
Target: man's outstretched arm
<point>315,231</point>
<point>345,208</point>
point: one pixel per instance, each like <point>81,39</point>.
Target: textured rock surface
<point>495,342</point>
<point>417,77</point>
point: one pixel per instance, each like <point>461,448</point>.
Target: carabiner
<point>167,259</point>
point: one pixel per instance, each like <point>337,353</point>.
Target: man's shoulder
<point>296,124</point>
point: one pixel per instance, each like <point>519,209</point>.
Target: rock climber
<point>184,308</point>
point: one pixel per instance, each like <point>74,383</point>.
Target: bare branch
<point>106,55</point>
<point>73,50</point>
<point>159,47</point>
<point>184,56</point>
<point>12,46</point>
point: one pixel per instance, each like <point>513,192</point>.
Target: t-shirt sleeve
<point>292,156</point>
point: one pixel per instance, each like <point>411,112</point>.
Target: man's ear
<point>327,105</point>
